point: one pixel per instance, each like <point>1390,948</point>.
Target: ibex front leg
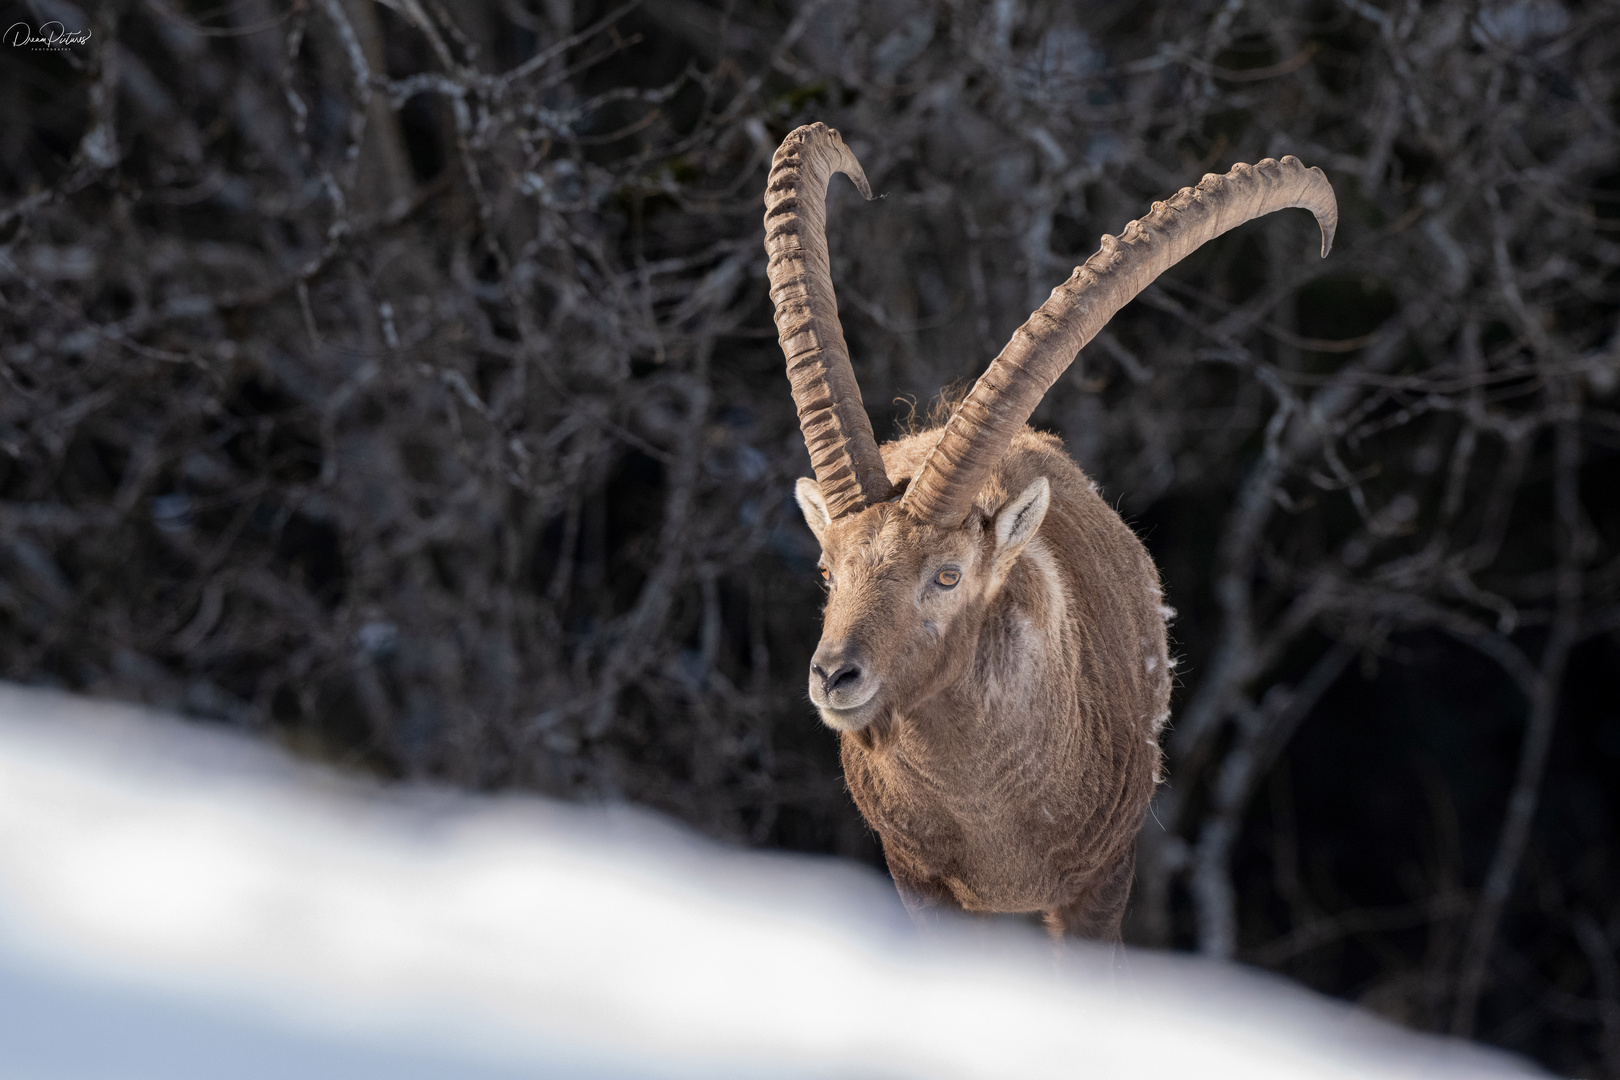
<point>925,898</point>
<point>1097,915</point>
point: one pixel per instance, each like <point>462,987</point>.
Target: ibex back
<point>993,648</point>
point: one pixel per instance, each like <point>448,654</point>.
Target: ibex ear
<point>1017,522</point>
<point>813,506</point>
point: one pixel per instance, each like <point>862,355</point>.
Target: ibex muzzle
<point>993,648</point>
<point>842,685</point>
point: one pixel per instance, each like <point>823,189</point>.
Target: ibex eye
<point>826,574</point>
<point>948,578</point>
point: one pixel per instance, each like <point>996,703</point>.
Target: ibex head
<point>905,598</point>
<point>913,573</point>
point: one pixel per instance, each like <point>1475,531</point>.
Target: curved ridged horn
<point>843,452</point>
<point>983,425</point>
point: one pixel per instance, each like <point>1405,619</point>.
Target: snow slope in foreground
<point>178,901</point>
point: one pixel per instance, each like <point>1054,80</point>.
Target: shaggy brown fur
<point>1008,753</point>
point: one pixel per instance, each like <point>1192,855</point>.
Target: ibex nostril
<point>837,668</point>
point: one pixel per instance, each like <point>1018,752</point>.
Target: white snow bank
<point>178,901</point>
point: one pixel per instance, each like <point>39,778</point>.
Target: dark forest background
<point>398,378</point>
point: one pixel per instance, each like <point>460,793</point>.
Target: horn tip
<point>1330,229</point>
<point>1329,223</point>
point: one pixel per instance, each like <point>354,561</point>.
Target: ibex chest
<point>997,828</point>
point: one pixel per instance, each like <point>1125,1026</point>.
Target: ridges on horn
<point>1005,396</point>
<point>843,451</point>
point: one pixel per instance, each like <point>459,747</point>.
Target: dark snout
<point>841,682</point>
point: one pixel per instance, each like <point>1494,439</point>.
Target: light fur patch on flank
<point>1057,602</point>
<point>1013,682</point>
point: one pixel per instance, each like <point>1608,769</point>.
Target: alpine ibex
<point>993,647</point>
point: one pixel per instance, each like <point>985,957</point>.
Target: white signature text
<point>51,35</point>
